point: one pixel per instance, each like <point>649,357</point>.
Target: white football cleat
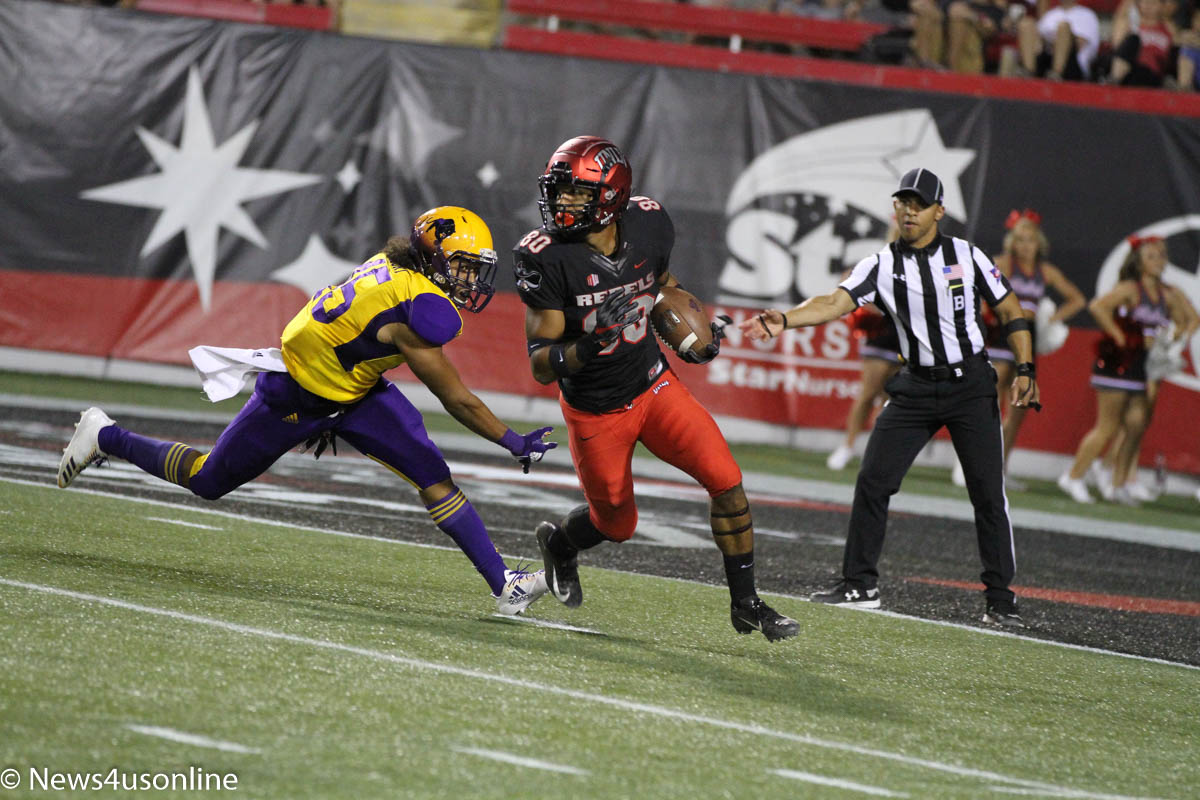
<point>84,447</point>
<point>840,457</point>
<point>521,588</point>
<point>1075,487</point>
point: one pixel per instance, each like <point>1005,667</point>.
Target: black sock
<point>739,572</point>
<point>560,545</point>
<point>577,533</point>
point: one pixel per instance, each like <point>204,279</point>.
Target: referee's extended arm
<point>813,311</point>
<point>1024,389</point>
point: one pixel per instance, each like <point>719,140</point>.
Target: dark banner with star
<point>169,181</point>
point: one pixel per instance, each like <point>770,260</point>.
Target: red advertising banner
<point>805,378</point>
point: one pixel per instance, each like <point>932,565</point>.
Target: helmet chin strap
<point>564,218</point>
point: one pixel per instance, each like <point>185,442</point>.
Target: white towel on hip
<point>224,370</point>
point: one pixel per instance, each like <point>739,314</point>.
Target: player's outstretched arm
<point>813,311</point>
<point>429,363</point>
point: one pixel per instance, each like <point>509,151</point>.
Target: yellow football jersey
<point>330,347</point>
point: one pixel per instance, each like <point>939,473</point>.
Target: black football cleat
<point>846,595</point>
<point>752,614</point>
<point>562,574</point>
<point>1003,613</point>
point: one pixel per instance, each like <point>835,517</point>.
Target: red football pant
<point>673,426</point>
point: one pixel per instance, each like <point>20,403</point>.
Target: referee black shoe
<point>562,574</point>
<point>1003,613</point>
<point>752,614</point>
<point>846,595</point>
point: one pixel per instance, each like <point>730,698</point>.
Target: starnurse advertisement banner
<point>167,182</point>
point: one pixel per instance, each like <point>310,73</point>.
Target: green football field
<point>157,639</point>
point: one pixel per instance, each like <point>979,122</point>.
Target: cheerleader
<point>1024,263</point>
<point>1131,315</point>
<point>879,348</point>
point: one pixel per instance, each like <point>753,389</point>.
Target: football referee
<point>931,285</point>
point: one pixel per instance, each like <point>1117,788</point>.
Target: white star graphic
<point>488,175</point>
<point>201,188</point>
<point>315,269</point>
<point>349,176</point>
<point>409,133</point>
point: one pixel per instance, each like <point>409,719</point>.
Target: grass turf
<point>364,668</point>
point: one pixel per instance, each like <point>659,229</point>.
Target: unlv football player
<point>589,278</point>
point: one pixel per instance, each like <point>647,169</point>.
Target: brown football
<point>681,321</point>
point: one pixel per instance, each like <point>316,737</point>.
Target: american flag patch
<point>593,279</point>
<point>953,272</point>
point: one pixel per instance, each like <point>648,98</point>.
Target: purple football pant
<point>280,415</point>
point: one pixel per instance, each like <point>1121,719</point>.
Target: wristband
<point>533,345</point>
<point>558,360</point>
<point>586,348</point>
<point>763,321</point>
<point>1027,370</point>
<point>1019,324</point>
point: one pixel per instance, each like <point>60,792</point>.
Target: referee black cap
<point>922,183</point>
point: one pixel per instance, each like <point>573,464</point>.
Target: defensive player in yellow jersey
<point>400,307</point>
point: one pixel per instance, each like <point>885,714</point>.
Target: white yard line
<point>185,524</point>
<point>808,777</point>
<point>520,761</point>
<point>1034,792</point>
<point>330,532</point>
<point>545,623</point>
<point>532,686</point>
<point>191,738</point>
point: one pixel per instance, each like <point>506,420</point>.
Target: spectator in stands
<point>928,24</point>
<point>818,9</point>
<point>1142,57</point>
<point>1061,44</point>
<point>1187,73</point>
<point>970,24</point>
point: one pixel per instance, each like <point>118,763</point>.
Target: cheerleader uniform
<point>1029,289</point>
<point>876,334</point>
<point>1124,368</point>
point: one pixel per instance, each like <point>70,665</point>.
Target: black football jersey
<point>555,273</point>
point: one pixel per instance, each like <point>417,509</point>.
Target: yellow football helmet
<point>453,247</point>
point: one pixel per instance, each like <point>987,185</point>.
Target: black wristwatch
<point>1028,369</point>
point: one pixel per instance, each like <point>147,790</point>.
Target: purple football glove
<point>528,448</point>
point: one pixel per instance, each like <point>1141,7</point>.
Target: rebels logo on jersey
<point>571,277</point>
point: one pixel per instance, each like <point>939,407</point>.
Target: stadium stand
<point>749,41</point>
<point>288,15</point>
<point>738,26</point>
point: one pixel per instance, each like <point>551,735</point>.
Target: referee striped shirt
<point>933,296</point>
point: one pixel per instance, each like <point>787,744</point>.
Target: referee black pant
<point>918,408</point>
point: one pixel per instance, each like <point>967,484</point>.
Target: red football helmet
<point>592,164</point>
